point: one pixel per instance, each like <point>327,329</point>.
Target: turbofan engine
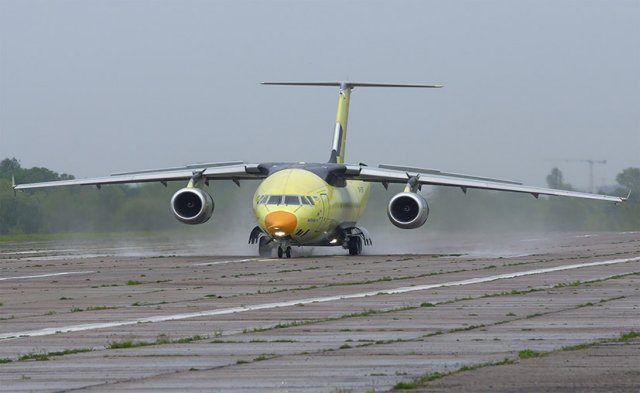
<point>408,210</point>
<point>192,206</point>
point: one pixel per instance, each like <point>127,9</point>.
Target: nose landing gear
<point>286,251</point>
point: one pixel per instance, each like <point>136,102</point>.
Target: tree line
<point>113,208</point>
<point>145,207</point>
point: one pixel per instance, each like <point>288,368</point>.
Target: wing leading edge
<point>217,171</point>
<point>385,176</point>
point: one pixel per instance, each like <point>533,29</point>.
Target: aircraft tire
<point>288,252</point>
<point>280,252</point>
<point>355,245</point>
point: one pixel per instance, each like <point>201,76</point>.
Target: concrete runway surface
<point>152,315</point>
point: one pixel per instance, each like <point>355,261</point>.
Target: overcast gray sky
<point>95,87</point>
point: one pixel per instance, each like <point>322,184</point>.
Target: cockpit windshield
<point>285,200</point>
<point>274,200</point>
<point>291,200</point>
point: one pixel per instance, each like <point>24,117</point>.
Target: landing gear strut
<point>282,252</point>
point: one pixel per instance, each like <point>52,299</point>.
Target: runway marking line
<point>44,275</point>
<point>233,261</point>
<point>224,262</point>
<point>39,251</point>
<point>234,310</point>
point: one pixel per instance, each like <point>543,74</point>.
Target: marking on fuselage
<point>44,275</point>
<point>290,303</point>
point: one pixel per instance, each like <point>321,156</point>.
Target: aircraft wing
<point>385,175</point>
<point>214,171</point>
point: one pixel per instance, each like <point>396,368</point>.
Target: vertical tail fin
<point>340,131</point>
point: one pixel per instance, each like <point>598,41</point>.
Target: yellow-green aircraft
<point>313,204</point>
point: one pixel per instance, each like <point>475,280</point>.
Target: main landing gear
<point>355,245</point>
<point>286,251</point>
<point>265,247</point>
<point>355,239</point>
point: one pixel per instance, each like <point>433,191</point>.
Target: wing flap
<point>440,173</point>
<point>395,176</point>
<point>179,168</point>
<point>231,171</point>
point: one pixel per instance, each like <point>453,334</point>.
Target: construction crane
<point>591,163</point>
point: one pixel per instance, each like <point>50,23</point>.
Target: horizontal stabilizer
<point>347,84</point>
<point>440,173</point>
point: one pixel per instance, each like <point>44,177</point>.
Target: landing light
<point>279,234</point>
<point>334,241</point>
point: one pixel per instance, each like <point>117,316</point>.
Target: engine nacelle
<point>192,206</point>
<point>408,210</point>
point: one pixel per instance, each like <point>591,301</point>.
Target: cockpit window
<point>285,199</point>
<point>275,200</point>
<point>291,200</point>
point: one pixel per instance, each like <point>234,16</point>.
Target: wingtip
<point>623,199</point>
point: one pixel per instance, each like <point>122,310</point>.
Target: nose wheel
<point>286,252</point>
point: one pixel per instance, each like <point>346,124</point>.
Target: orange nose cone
<point>280,223</point>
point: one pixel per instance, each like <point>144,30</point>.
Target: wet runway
<point>154,315</point>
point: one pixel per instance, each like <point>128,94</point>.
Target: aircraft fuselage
<point>298,206</point>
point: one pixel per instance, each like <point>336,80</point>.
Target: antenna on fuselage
<point>342,115</point>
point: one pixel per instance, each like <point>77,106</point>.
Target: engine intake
<point>408,210</point>
<point>192,206</point>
